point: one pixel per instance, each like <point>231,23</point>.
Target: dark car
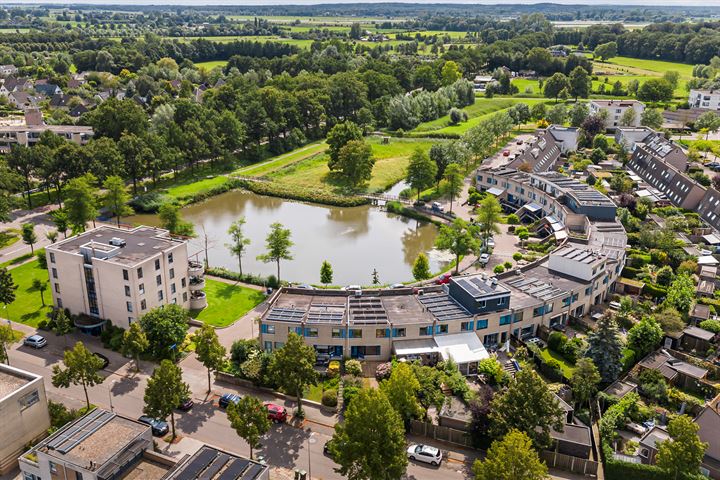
<point>159,427</point>
<point>276,413</point>
<point>104,359</point>
<point>227,398</point>
<point>185,405</point>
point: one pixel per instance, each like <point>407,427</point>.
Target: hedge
<point>654,291</point>
<point>270,281</point>
<point>619,470</point>
<point>398,208</point>
<point>630,272</point>
<point>302,194</point>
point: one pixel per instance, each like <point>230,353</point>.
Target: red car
<point>443,279</point>
<point>276,413</point>
<point>506,153</point>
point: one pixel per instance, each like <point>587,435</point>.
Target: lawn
<point>226,303</point>
<point>212,64</point>
<point>27,307</point>
<point>642,66</point>
<point>567,369</point>
<point>275,163</point>
<point>188,189</point>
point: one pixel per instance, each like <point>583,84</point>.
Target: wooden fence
<point>568,463</point>
<point>437,432</point>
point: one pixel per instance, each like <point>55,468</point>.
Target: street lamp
<point>311,441</point>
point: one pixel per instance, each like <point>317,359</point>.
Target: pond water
<point>354,240</point>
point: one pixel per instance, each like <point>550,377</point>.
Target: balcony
<point>198,300</point>
<point>197,283</point>
<point>196,269</point>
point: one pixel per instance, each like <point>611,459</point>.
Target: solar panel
<point>234,469</point>
<point>197,465</point>
<point>286,314</point>
<point>252,472</point>
<point>215,467</point>
<point>79,431</point>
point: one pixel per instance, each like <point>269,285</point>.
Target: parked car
<point>185,405</point>
<point>425,453</point>
<point>352,288</point>
<point>159,427</point>
<point>304,286</point>
<point>443,279</point>
<point>490,242</point>
<point>506,153</point>
<point>397,285</point>
<point>437,206</point>
<point>227,398</point>
<point>35,341</point>
<point>276,413</point>
<point>484,259</point>
<point>104,359</point>
<point>559,327</point>
<point>519,141</point>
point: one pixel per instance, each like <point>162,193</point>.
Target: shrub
<point>507,265</point>
<point>333,368</point>
<point>353,367</point>
<point>242,349</point>
<point>711,325</point>
<point>499,269</point>
<point>513,219</point>
<point>517,256</point>
<point>554,365</point>
<point>383,371</point>
<point>653,385</point>
<point>349,393</point>
<point>329,398</point>
<point>556,341</point>
<point>41,258</point>
<point>149,202</point>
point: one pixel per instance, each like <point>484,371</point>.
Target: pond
<point>354,240</point>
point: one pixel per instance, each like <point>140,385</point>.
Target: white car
<point>425,453</point>
<point>352,288</point>
<point>35,341</point>
<point>490,242</point>
<point>484,259</point>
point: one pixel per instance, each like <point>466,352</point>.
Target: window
<point>141,289</point>
<point>52,257</point>
<point>158,280</point>
<point>183,282</point>
<point>441,329</point>
<point>481,303</point>
<point>157,264</point>
<point>139,272</point>
<point>279,345</point>
<point>588,290</point>
<point>53,467</point>
<point>382,332</point>
<point>467,326</point>
<point>537,311</point>
<point>338,333</point>
<point>78,476</point>
<point>127,290</point>
<point>355,333</point>
<point>398,332</point>
<point>57,288</point>
<point>311,332</point>
<point>172,288</point>
<point>126,276</point>
<point>425,331</point>
<point>490,340</point>
<point>59,303</point>
<point>29,400</point>
<point>161,296</point>
<point>481,324</point>
<point>506,319</point>
<point>172,273</point>
<point>501,301</point>
<point>267,346</point>
<point>170,257</point>
<point>297,330</point>
<point>54,272</point>
<point>143,304</point>
<point>184,297</point>
<point>567,301</point>
<point>269,329</point>
<point>361,351</point>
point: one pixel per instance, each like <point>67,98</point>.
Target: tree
<point>63,325</point>
<point>652,117</point>
<point>7,338</point>
<point>370,443</point>
<point>655,90</point>
<point>116,197</point>
<point>683,454</point>
<point>249,419</point>
<point>459,238</point>
<point>645,336</point>
<point>209,350</point>
<point>29,237</point>
<point>60,219</point>
<point>293,367</point>
<point>134,343</point>
<point>454,178</point>
<point>172,221</point>
<point>605,349</point>
<point>488,216</point>
<point>606,51</point>
<point>401,390</point>
<point>578,113</point>
<point>355,162</point>
<point>355,31</point>
<point>80,202</point>
<point>421,267</point>
<point>709,122</point>
<point>421,171</point>
<point>338,137</point>
<point>165,328</point>
<point>22,161</point>
<point>681,293</point>
<point>375,277</point>
<point>526,405</point>
<point>7,287</point>
<point>512,458</point>
<point>554,85</point>
<point>278,245</point>
<point>673,78</point>
<point>450,73</point>
<point>326,273</point>
<point>584,380</point>
<point>81,368</point>
<point>579,83</point>
<point>557,114</point>
<point>239,241</point>
<point>628,118</point>
<point>164,392</point>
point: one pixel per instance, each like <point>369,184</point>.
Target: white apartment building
<point>615,110</point>
<point>24,413</point>
<point>116,274</point>
<point>706,99</point>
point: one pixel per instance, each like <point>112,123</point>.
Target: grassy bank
<point>27,307</point>
<point>226,303</point>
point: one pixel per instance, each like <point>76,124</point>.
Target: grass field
<point>185,190</point>
<point>211,65</point>
<point>481,108</point>
<point>226,303</point>
<point>567,369</point>
<point>641,66</point>
<point>276,163</point>
<point>27,307</point>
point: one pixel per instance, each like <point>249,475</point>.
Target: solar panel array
<point>536,288</point>
<point>443,307</point>
<point>479,287</point>
<point>284,314</point>
<point>367,310</point>
<point>326,313</point>
<point>210,464</point>
<point>69,438</point>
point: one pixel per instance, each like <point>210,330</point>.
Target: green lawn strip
<point>27,307</point>
<point>188,189</point>
<point>463,127</point>
<point>482,106</point>
<point>567,369</point>
<point>314,393</point>
<point>226,303</point>
<point>212,64</point>
<point>275,163</point>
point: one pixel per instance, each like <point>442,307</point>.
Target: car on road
<point>425,453</point>
<point>104,359</point>
<point>228,398</point>
<point>185,405</point>
<point>443,279</point>
<point>484,259</point>
<point>35,341</point>
<point>506,153</point>
<point>159,427</point>
<point>490,242</point>
<point>276,413</point>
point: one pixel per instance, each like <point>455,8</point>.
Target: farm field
<point>641,66</point>
<point>212,64</point>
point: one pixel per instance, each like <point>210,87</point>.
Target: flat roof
<point>579,434</point>
<point>146,469</point>
<point>11,381</point>
<point>141,243</point>
<point>579,255</point>
<point>479,286</point>
<point>210,463</point>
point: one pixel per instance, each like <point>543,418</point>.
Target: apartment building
<point>117,274</point>
<point>24,413</point>
<point>542,151</point>
<point>103,446</point>
<point>705,99</point>
<point>26,131</point>
<point>616,109</point>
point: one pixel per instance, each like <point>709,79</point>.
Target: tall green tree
<point>579,83</point>
<point>29,236</point>
<point>293,367</point>
<point>421,267</point>
<point>605,349</point>
<point>80,202</point>
<point>165,328</point>
<point>63,325</point>
<point>454,178</point>
<point>61,221</point>
<point>450,73</point>
<point>401,390</point>
<point>355,162</point>
<point>239,242</point>
<point>326,273</point>
<point>81,368</point>
<point>135,343</point>
<point>526,405</point>
<point>277,245</point>
<point>172,221</point>
<point>209,350</point>
<point>421,171</point>
<point>652,117</point>
<point>164,392</point>
<point>708,122</point>
<point>116,197</point>
<point>459,238</point>
<point>645,336</point>
<point>554,85</point>
<point>7,338</point>
<point>488,216</point>
<point>584,380</point>
<point>22,161</point>
<point>511,458</point>
<point>370,443</point>
<point>606,51</point>
<point>249,419</point>
<point>339,136</point>
<point>681,293</point>
<point>681,456</point>
<point>7,287</point>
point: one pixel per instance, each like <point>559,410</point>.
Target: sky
<point>706,3</point>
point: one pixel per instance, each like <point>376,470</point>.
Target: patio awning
<point>707,260</point>
<point>711,239</point>
<point>532,207</point>
<point>414,347</point>
<point>495,192</point>
<point>462,348</point>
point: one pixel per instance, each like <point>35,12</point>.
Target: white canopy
<point>462,348</point>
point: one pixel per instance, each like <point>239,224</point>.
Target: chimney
<point>33,117</point>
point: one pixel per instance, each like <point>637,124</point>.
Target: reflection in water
<point>354,240</point>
